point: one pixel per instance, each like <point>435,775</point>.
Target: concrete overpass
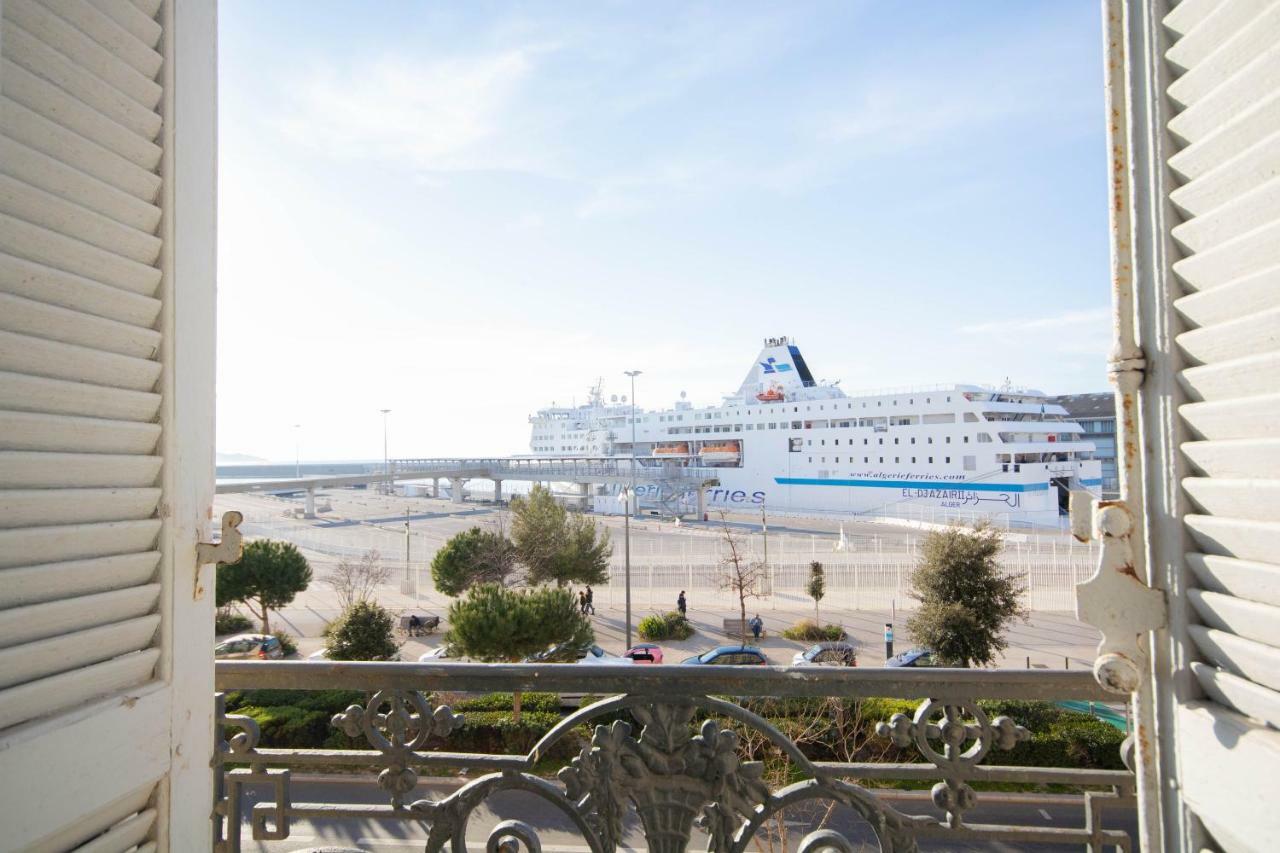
<point>668,474</point>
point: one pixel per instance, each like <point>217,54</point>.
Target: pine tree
<point>816,588</point>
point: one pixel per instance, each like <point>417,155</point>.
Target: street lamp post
<point>626,522</point>
<point>297,452</point>
<point>631,496</point>
<point>386,461</point>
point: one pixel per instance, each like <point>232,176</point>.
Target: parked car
<point>564,653</point>
<point>442,654</point>
<point>833,653</point>
<point>646,653</point>
<point>913,657</point>
<point>730,656</point>
<point>248,647</point>
<point>318,656</point>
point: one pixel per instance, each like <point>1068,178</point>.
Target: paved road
<point>558,836</point>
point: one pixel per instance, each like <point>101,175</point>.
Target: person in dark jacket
<point>681,604</point>
<point>757,625</point>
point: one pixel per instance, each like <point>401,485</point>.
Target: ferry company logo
<point>772,365</point>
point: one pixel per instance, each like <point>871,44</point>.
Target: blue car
<point>914,657</point>
<point>730,656</point>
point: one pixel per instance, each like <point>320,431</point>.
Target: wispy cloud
<point>441,114</point>
<point>1094,320</point>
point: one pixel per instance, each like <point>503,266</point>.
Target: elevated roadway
<point>670,475</point>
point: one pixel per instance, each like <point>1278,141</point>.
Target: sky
<point>464,212</point>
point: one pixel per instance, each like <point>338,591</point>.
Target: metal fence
<point>863,571</point>
<point>667,750</point>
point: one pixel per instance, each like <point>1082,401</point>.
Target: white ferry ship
<point>797,445</point>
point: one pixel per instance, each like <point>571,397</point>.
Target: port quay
<point>416,505</point>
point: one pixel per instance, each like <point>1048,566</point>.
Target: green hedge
<point>665,626</point>
<point>548,702</point>
<point>807,630</point>
<point>1060,738</point>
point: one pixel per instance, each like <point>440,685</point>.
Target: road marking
<point>1044,814</point>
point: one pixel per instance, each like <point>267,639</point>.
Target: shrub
<point>544,702</point>
<point>287,644</point>
<point>806,630</point>
<point>362,632</point>
<point>665,626</point>
<point>227,621</point>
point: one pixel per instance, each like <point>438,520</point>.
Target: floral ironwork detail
<point>404,727</point>
<point>672,776</point>
<point>964,744</point>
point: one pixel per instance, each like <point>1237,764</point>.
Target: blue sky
<point>463,212</point>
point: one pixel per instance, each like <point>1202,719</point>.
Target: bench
<point>738,628</point>
<point>427,624</point>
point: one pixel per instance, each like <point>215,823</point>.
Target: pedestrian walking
<point>681,604</point>
<point>589,600</point>
<point>757,625</point>
<point>582,603</point>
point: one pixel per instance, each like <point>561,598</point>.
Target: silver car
<point>832,653</point>
<point>249,647</point>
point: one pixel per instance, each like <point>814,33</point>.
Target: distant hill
<point>221,458</point>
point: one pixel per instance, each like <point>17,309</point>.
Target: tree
<point>266,577</point>
<point>556,546</point>
<point>473,557</point>
<point>362,632</point>
<point>740,575</point>
<point>966,600</point>
<point>495,623</point>
<point>817,588</point>
<point>356,581</point>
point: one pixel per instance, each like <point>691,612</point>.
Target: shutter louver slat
<point>65,38</point>
<point>20,470</point>
<point>1239,458</point>
<point>69,689</point>
<point>123,836</point>
<point>109,34</point>
<point>40,170</point>
<point>1241,578</point>
<point>40,357</point>
<point>1227,116</point>
<point>1255,661</point>
<point>40,394</point>
<point>59,543</point>
<point>75,292</point>
<point>27,585</point>
<point>55,618</point>
<point>35,243</point>
<point>28,507</point>
<point>1242,694</point>
<point>141,26</point>
<point>69,652</point>
<point>45,62</point>
<point>28,431</point>
<point>48,137</point>
<point>73,220</point>
<point>1239,617</point>
<point>29,317</point>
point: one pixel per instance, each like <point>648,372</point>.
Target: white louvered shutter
<point>92,548</point>
<point>1223,61</point>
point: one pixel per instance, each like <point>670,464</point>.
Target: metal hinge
<point>228,549</point>
<point>1115,600</point>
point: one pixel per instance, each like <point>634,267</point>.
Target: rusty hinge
<point>1115,600</point>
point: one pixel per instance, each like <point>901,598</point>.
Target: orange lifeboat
<point>725,452</point>
<point>773,395</point>
<point>680,449</point>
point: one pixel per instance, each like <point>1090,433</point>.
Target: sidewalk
<point>1047,640</point>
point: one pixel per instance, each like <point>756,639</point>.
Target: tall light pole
<point>386,462</point>
<point>631,496</point>
<point>297,452</point>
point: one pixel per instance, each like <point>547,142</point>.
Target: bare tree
<point>739,574</point>
<point>356,581</point>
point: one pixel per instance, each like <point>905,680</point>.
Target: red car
<point>645,653</point>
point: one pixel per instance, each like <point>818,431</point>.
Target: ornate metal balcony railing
<point>684,766</point>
